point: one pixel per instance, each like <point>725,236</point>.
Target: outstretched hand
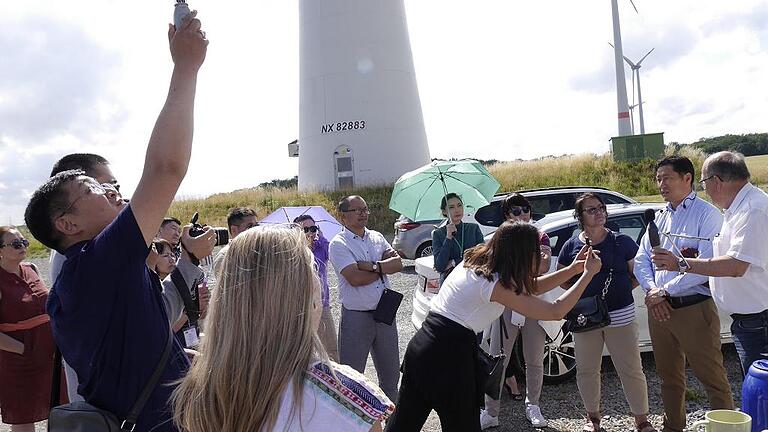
<point>593,263</point>
<point>188,43</point>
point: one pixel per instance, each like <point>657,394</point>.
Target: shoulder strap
<point>56,381</point>
<point>190,306</point>
<point>130,422</point>
<point>502,328</point>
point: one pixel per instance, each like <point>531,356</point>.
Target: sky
<point>500,80</point>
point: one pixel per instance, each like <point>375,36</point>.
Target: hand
<point>153,257</point>
<point>205,297</point>
<point>200,246</point>
<point>593,264</point>
<point>661,312</point>
<point>450,230</point>
<point>191,354</point>
<point>365,266</point>
<point>654,297</point>
<point>577,266</point>
<point>664,259</point>
<point>188,43</point>
<point>389,253</point>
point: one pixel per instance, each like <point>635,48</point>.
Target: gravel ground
<point>560,404</point>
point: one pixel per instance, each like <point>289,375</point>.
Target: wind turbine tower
<point>625,127</point>
<point>360,119</point>
<point>636,73</point>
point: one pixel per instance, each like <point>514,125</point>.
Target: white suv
<point>559,358</point>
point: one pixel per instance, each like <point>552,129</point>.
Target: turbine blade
<point>632,65</point>
<point>633,5</point>
<point>649,53</point>
<point>611,45</point>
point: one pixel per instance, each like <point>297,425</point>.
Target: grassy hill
<point>631,179</point>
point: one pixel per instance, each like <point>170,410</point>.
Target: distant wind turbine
<point>636,72</point>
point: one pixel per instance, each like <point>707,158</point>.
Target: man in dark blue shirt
<point>107,316</point>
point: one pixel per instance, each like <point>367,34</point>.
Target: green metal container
<point>632,148</point>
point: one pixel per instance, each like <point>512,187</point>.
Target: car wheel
<point>425,249</point>
<point>559,357</point>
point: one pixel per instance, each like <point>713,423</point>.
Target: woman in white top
<point>262,366</point>
<point>440,364</point>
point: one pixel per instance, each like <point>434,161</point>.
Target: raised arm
<point>170,145</point>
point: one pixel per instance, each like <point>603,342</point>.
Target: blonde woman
<point>262,366</point>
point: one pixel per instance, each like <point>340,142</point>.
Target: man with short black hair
<point>239,219</point>
<point>738,271</point>
<point>170,230</point>
<point>682,317</point>
<point>107,313</point>
<point>363,258</point>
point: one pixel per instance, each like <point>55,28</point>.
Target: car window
<point>611,199</point>
<point>545,204</point>
<point>631,225</point>
<point>490,215</point>
<point>558,238</point>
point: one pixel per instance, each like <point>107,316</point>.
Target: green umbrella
<point>417,194</point>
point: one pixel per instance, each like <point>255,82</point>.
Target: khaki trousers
<point>327,333</point>
<point>625,355</point>
<point>692,333</point>
<point>533,353</point>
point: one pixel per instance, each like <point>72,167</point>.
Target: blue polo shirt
<point>110,324</point>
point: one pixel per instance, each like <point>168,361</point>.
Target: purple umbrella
<point>327,223</point>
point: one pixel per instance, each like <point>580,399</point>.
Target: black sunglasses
<point>310,229</point>
<point>17,244</point>
<point>517,211</point>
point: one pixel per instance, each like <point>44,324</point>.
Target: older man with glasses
<point>363,258</point>
<point>738,270</point>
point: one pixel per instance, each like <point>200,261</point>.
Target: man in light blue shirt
<point>682,317</point>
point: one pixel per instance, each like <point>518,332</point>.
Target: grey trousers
<point>359,335</point>
<point>327,333</point>
<point>533,352</point>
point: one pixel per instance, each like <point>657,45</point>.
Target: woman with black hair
<point>615,282</point>
<point>440,366</point>
<point>453,237</point>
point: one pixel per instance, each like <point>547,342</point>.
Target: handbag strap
<point>502,328</point>
<point>130,422</point>
<point>191,307</point>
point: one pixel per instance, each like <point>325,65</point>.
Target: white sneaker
<point>533,413</point>
<point>487,420</point>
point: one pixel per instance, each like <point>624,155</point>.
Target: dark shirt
<point>110,323</point>
<point>320,251</point>
<point>615,250</point>
<point>467,235</point>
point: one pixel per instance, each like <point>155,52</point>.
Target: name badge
<point>191,339</point>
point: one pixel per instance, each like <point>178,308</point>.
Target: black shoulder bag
<point>84,417</point>
<point>591,313</point>
<point>490,368</point>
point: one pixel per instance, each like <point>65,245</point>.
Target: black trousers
<point>439,373</point>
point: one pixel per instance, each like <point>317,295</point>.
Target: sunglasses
<point>359,211</point>
<point>517,210</point>
<point>594,210</point>
<point>310,229</point>
<point>17,244</point>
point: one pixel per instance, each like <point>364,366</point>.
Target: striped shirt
<point>623,316</point>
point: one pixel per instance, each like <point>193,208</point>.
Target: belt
<point>685,301</point>
<point>737,316</point>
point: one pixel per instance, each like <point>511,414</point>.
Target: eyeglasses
<point>310,229</point>
<point>594,210</point>
<point>518,210</point>
<point>17,244</point>
<point>360,211</point>
<point>248,225</point>
<point>93,188</point>
<point>703,182</point>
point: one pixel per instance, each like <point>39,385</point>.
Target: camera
<point>222,234</point>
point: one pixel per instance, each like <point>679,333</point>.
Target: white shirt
<point>465,298</point>
<point>348,248</point>
<point>745,237</point>
<point>694,217</point>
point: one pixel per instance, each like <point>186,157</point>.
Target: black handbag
<point>84,417</point>
<point>490,368</point>
<point>590,313</point>
<point>386,310</point>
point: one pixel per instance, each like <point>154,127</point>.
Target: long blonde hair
<point>259,336</point>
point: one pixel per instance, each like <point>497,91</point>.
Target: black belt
<point>685,301</point>
<point>752,315</point>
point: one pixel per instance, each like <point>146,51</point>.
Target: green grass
<point>632,179</point>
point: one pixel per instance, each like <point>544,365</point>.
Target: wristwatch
<point>683,265</point>
<point>374,266</point>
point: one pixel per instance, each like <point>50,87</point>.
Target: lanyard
<point>461,245</point>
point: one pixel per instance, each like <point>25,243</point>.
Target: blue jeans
<point>750,336</point>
